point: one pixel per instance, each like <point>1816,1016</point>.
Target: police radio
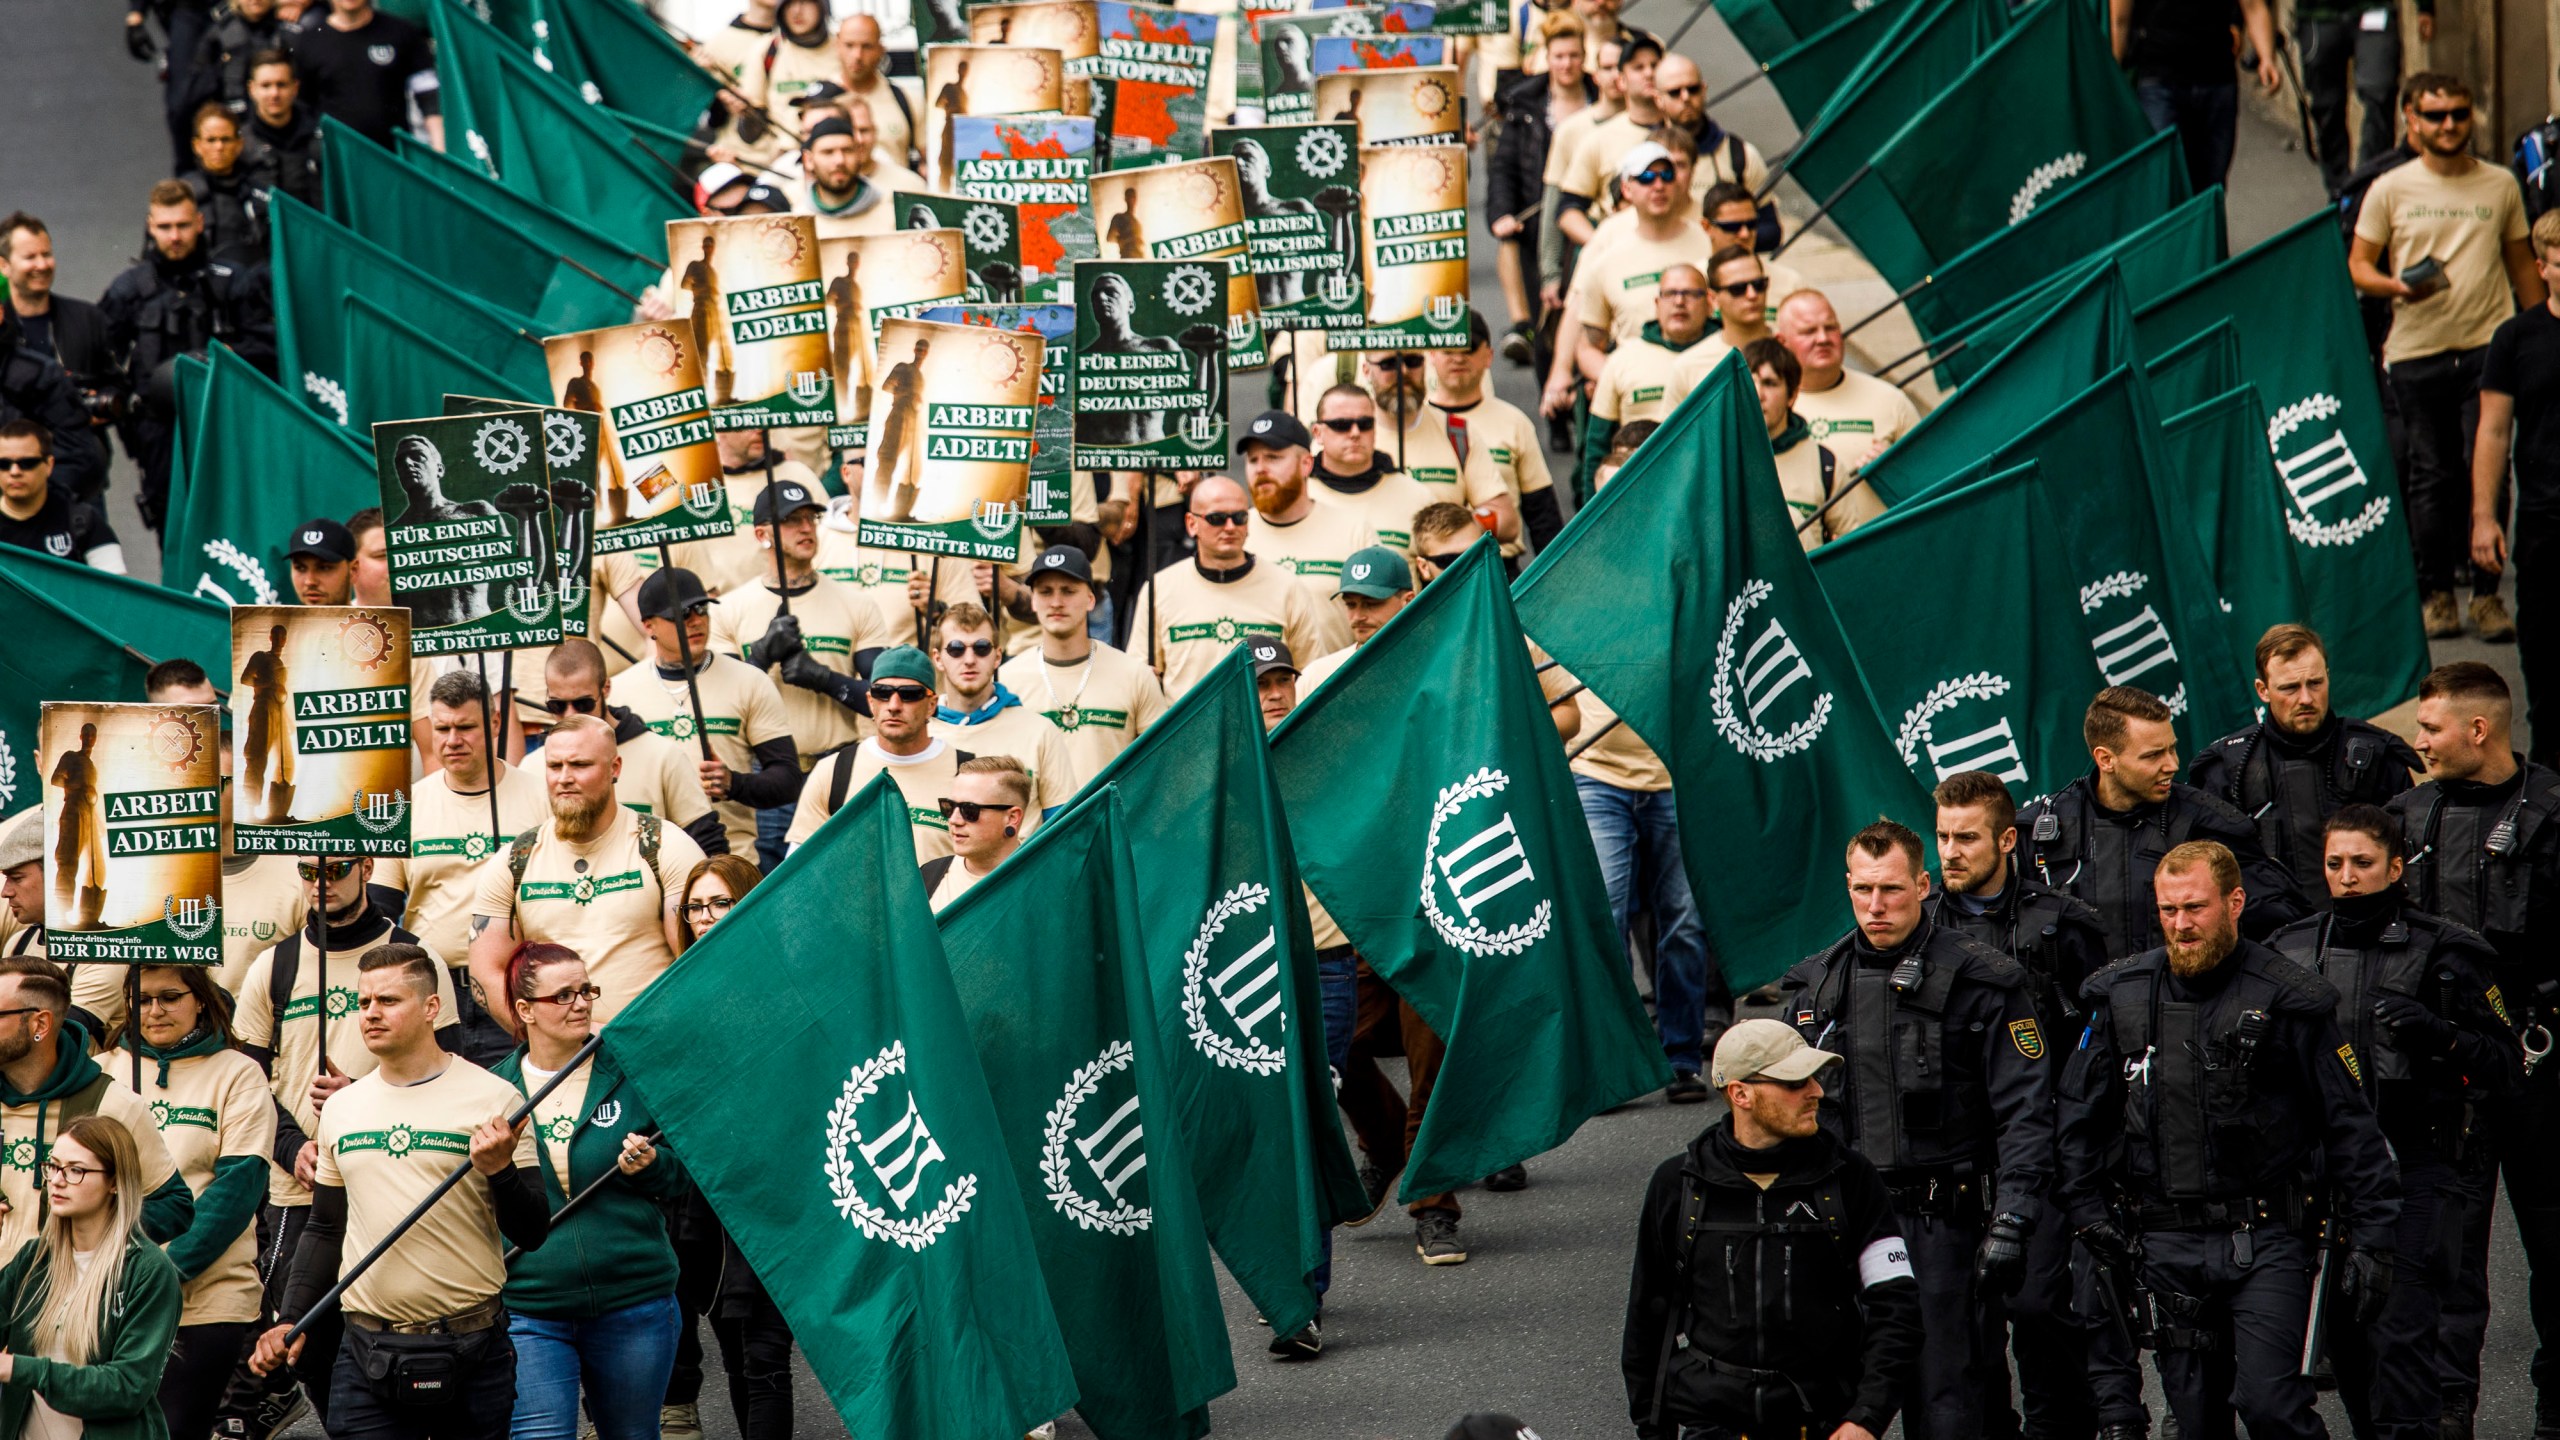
<point>1907,973</point>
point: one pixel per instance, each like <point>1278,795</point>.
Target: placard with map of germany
<point>1040,166</point>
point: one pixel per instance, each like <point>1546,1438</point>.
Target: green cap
<point>1377,572</point>
<point>905,662</point>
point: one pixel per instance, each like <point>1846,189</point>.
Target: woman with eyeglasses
<point>92,1303</point>
<point>594,1309</point>
<point>755,1341</point>
<point>219,1122</point>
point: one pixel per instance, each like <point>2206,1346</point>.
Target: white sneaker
<point>680,1422</point>
<point>1045,1432</point>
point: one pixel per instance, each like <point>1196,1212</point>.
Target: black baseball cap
<point>817,94</point>
<point>1270,657</point>
<point>1064,560</point>
<point>1276,429</point>
<point>783,499</point>
<point>771,201</point>
<point>324,538</point>
<point>672,593</point>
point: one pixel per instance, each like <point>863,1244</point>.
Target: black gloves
<point>2365,1281</point>
<point>2108,1243</point>
<point>803,670</point>
<point>2413,1025</point>
<point>137,40</point>
<point>2000,1267</point>
<point>781,642</point>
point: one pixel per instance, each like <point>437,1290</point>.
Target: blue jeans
<point>1637,833</point>
<point>771,826</point>
<point>621,1358</point>
<point>2206,117</point>
<point>1338,979</point>
<point>1099,624</point>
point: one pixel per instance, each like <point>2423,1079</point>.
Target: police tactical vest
<point>2396,964</point>
<point>1893,1106</point>
<point>2289,796</point>
<point>2472,865</point>
<point>2201,1092</point>
<point>2106,864</point>
<point>2027,926</point>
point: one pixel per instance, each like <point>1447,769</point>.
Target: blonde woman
<point>91,1303</point>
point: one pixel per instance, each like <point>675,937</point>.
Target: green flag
<point>1050,960</point>
<point>52,654</point>
<point>2196,369</point>
<point>633,64</point>
<point>1809,73</point>
<point>848,1143</point>
<point>1954,692</point>
<point>541,139</point>
<point>1233,972</point>
<point>1680,595</point>
<point>319,262</point>
<point>1969,164</point>
<point>1929,48</point>
<point>571,239</point>
<point>370,191</point>
<point>2302,344</point>
<point>153,619</point>
<point>1434,817</point>
<point>258,465</point>
<point>396,371</point>
<point>2067,350</point>
<point>1762,29</point>
<point>2220,475</point>
<point>2079,222</point>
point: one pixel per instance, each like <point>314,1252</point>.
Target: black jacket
<point>2055,938</point>
<point>159,309</point>
<point>1517,180</point>
<point>222,57</point>
<point>2291,787</point>
<point>33,387</point>
<point>1808,1279</point>
<point>285,157</point>
<point>2505,887</point>
<point>235,215</point>
<point>2071,842</point>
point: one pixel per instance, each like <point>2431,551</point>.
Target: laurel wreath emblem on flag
<point>844,1132</point>
<point>1252,1056</point>
<point>1122,1218</point>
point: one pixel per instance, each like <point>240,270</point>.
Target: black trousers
<point>2339,55</point>
<point>2529,1162</point>
<point>2394,1374</point>
<point>714,1280</point>
<point>201,1362</point>
<point>2255,1300</point>
<point>2115,1366</point>
<point>481,1407</point>
<point>186,25</point>
<point>2050,1339</point>
<point>2533,553</point>
<point>2439,397</point>
<point>279,1233</point>
<point>1961,1340</point>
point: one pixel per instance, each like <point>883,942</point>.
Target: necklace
<point>1064,711</point>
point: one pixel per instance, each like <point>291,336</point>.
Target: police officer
<point>2100,837</point>
<point>2417,1003</point>
<point>175,301</point>
<point>2292,770</point>
<point>2484,853</point>
<point>1982,894</point>
<point>1943,1087</point>
<point>2211,1083</point>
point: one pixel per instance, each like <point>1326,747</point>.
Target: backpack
<point>2534,151</point>
<point>520,850</point>
<point>840,784</point>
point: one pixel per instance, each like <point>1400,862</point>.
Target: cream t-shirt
<point>27,1133</point>
<point>390,1146</point>
<point>2463,223</point>
<point>449,840</point>
<point>837,622</point>
<point>659,778</point>
<point>1097,705</point>
<point>1313,546</point>
<point>598,898</point>
<point>741,709</point>
<point>1021,732</point>
<point>922,780</point>
<point>1387,507</point>
<point>215,1107</point>
<point>1202,620</point>
<point>263,901</point>
<point>1857,414</point>
<point>555,1120</point>
<point>1618,286</point>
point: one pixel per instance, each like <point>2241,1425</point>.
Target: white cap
<point>719,177</point>
<point>1633,164</point>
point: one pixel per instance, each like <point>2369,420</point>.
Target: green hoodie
<point>116,1396</point>
<point>613,1253</point>
<point>70,1091</point>
<point>229,1201</point>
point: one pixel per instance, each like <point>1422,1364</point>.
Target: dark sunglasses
<point>338,869</point>
<point>1790,1086</point>
<point>957,648</point>
<point>2454,116</point>
<point>1222,517</point>
<point>584,705</point>
<point>1345,427</point>
<point>907,694</point>
<point>24,462</point>
<point>1660,175</point>
<point>1747,287</point>
<point>1398,362</point>
<point>969,810</point>
<point>1677,91</point>
<point>1734,227</point>
<point>1442,562</point>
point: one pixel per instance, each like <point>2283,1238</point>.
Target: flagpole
<point>516,1117</point>
<point>683,39</point>
<point>1147,544</point>
<point>489,758</point>
<point>1820,210</point>
<point>692,687</point>
<point>1936,358</point>
<point>652,1136</point>
<point>1879,312</point>
<point>1702,7</point>
<point>573,264</point>
<point>1737,87</point>
<point>1824,508</point>
<point>1576,752</point>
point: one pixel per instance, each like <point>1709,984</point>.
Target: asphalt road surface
<point>1530,1324</point>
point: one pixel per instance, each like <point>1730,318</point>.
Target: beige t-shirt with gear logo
<point>1430,457</point>
<point>1387,507</point>
<point>262,902</point>
<point>23,1151</point>
<point>390,1146</point>
<point>741,709</point>
<point>882,575</point>
<point>1203,620</point>
<point>294,1046</point>
<point>1021,732</point>
<point>2462,222</point>
<point>1503,437</point>
<point>449,839</point>
<point>1618,286</point>
<point>1313,546</point>
<point>922,780</point>
<point>836,623</point>
<point>215,1107</point>
<point>599,898</point>
<point>1097,705</point>
<point>1636,383</point>
<point>658,778</point>
<point>1857,414</point>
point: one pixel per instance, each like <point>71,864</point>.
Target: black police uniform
<point>222,57</point>
<point>2059,943</point>
<point>2487,857</point>
<point>2071,842</point>
<point>235,214</point>
<point>2291,785</point>
<point>2416,1000</point>
<point>34,387</point>
<point>1943,1086</point>
<point>1771,1310</point>
<point>159,309</point>
<point>283,157</point>
<point>2204,1105</point>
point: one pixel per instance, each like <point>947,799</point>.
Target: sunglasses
<point>1398,362</point>
<point>569,997</point>
<point>957,648</point>
<point>1654,177</point>
<point>905,694</point>
<point>24,462</point>
<point>969,810</point>
<point>1222,517</point>
<point>1790,1086</point>
<point>338,869</point>
<point>1346,427</point>
<point>1734,227</point>
<point>2454,116</point>
<point>1678,91</point>
<point>1442,562</point>
<point>584,705</point>
<point>1747,287</point>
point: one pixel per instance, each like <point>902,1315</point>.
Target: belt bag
<point>423,1371</point>
<point>1698,1389</point>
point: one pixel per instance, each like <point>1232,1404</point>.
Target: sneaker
<point>2443,622</point>
<point>1307,1344</point>
<point>277,1412</point>
<point>2490,618</point>
<point>1435,1238</point>
<point>1048,1431</point>
<point>680,1422</point>
<point>1379,1185</point>
<point>1517,347</point>
<point>1686,1088</point>
<point>1508,1178</point>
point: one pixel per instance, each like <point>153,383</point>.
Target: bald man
<point>1194,613</point>
<point>1857,416</point>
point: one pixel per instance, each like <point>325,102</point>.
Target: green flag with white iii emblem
<point>257,464</point>
<point>836,1117</point>
<point>2302,344</point>
<point>1234,974</point>
<point>1435,819</point>
<point>1049,957</point>
<point>1680,595</point>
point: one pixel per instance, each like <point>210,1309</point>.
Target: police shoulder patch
<point>2498,1003</point>
<point>2028,1039</point>
<point>2347,1057</point>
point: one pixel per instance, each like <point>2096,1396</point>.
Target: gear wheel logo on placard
<point>999,362</point>
<point>1431,97</point>
<point>364,640</point>
<point>984,228</point>
<point>563,443</point>
<point>778,240</point>
<point>661,349</point>
<point>1353,22</point>
<point>174,740</point>
<point>1189,289</point>
<point>1321,153</point>
<point>501,446</point>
